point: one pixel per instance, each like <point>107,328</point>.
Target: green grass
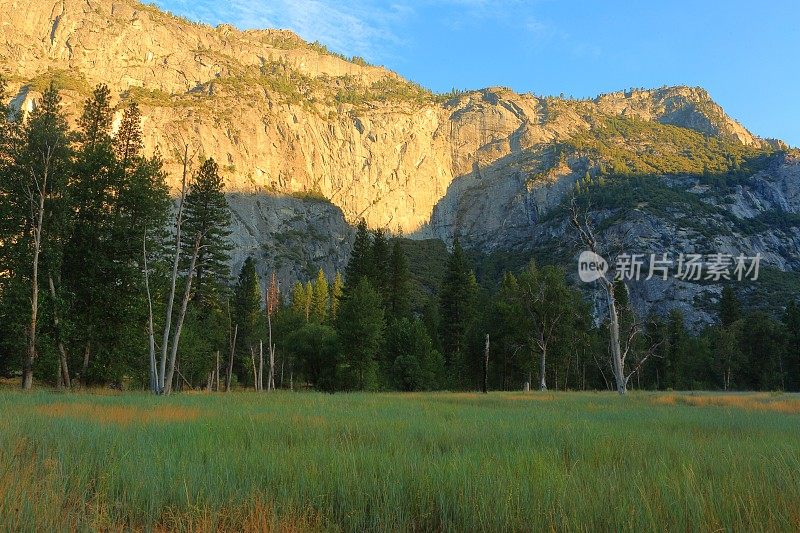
<point>367,462</point>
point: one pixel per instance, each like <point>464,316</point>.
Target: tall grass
<point>366,462</point>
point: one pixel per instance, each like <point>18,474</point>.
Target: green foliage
<point>316,348</point>
<point>628,145</point>
<point>247,315</point>
<point>320,298</point>
<point>729,308</point>
<point>361,331</point>
<point>398,304</point>
<point>207,218</point>
<point>456,304</point>
<point>61,80</point>
<point>360,264</point>
<point>412,362</point>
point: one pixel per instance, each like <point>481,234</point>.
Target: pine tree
<point>360,263</point>
<point>247,312</point>
<point>399,304</point>
<point>380,265</point>
<point>309,301</point>
<point>729,307</point>
<point>300,300</point>
<point>791,321</point>
<point>456,304</point>
<point>206,214</point>
<point>95,122</point>
<point>319,306</point>
<point>128,141</point>
<point>336,295</point>
<point>361,326</point>
<point>42,167</point>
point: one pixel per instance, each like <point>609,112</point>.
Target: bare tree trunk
<point>271,376</point>
<point>260,383</point>
<point>179,325</point>
<point>616,350</point>
<point>283,361</point>
<point>85,367</point>
<point>230,360</point>
<point>485,387</point>
<point>542,366</point>
<point>162,381</point>
<point>30,357</point>
<point>151,339</point>
<point>63,366</point>
<point>216,373</point>
<point>255,374</point>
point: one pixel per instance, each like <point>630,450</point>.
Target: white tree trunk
<point>151,338</point>
<point>63,367</point>
<point>260,385</point>
<point>162,381</point>
<point>27,370</point>
<point>179,325</point>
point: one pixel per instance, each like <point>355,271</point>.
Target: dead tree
<point>63,367</point>
<point>260,381</point>
<point>173,280</point>
<point>619,351</point>
<point>485,388</point>
<point>229,373</point>
<point>151,340</point>
<point>37,200</point>
<point>273,296</point>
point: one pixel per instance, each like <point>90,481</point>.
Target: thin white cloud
<point>358,27</point>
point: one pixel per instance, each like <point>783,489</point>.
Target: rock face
<point>284,117</point>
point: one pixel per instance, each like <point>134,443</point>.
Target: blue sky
<point>745,53</point>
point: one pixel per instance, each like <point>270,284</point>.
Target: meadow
<point>375,462</point>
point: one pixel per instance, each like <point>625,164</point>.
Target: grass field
<point>367,462</point>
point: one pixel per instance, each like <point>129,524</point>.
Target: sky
<point>745,53</point>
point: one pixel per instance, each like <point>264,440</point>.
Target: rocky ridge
<point>287,119</point>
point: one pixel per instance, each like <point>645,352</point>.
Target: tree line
<point>104,279</point>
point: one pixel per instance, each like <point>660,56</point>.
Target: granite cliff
<point>310,142</point>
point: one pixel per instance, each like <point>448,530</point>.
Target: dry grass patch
<point>750,402</point>
<point>118,414</point>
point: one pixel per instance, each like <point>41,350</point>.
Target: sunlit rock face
<point>310,142</point>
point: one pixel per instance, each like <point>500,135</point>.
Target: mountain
<point>310,142</point>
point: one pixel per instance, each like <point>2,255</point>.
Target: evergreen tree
<point>207,214</point>
<point>728,358</point>
<point>791,321</point>
<point>380,265</point>
<point>456,304</point>
<point>95,122</point>
<point>40,197</point>
<point>361,328</point>
<point>677,352</point>
<point>247,314</point>
<point>128,141</point>
<point>336,295</point>
<point>309,300</point>
<point>319,305</point>
<point>360,263</point>
<point>413,362</point>
<point>300,299</point>
<point>114,209</point>
<point>399,289</point>
<point>729,307</point>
